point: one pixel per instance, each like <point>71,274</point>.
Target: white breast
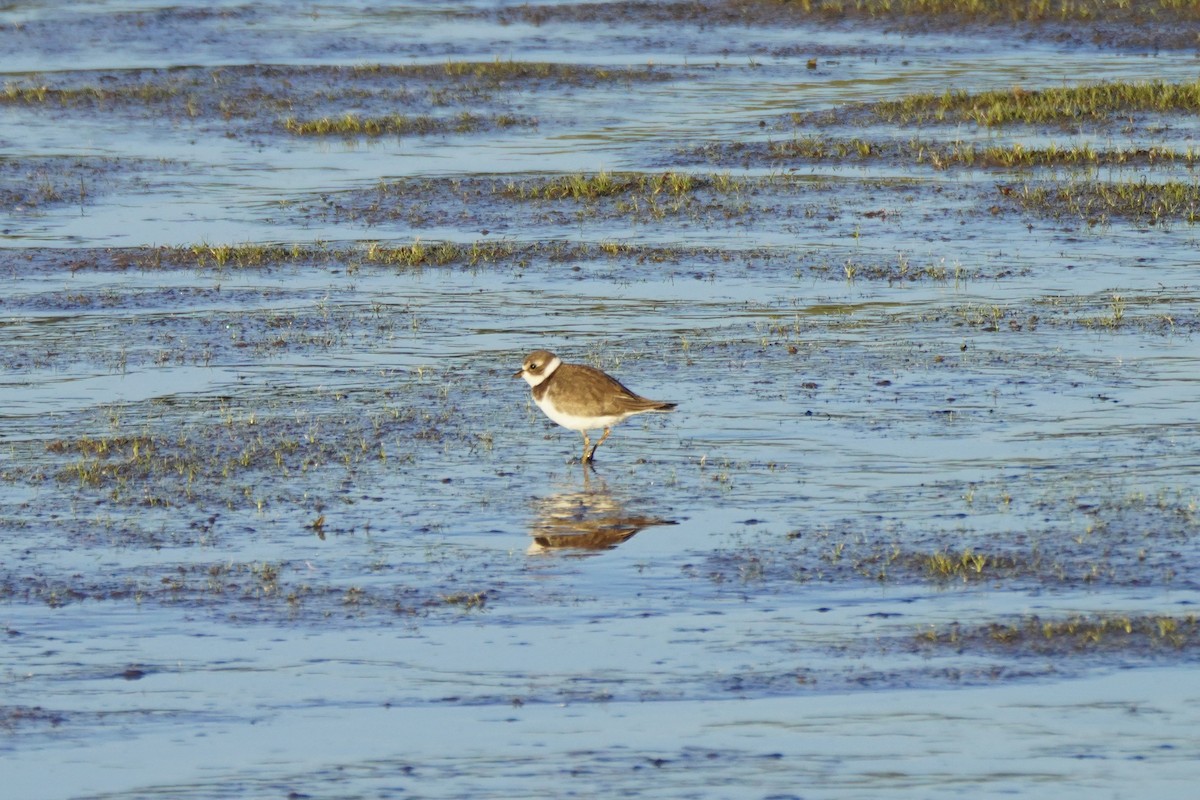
<point>574,422</point>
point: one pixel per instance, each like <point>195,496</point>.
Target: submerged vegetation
<point>275,83</point>
<point>219,461</point>
<point>1134,635</point>
<point>1096,202</point>
<point>36,183</point>
<point>1165,23</point>
<point>603,184</point>
<point>400,125</point>
<point>939,155</point>
<point>146,93</point>
<point>499,71</point>
<point>497,254</point>
<point>413,254</point>
<point>639,195</point>
<point>1000,11</point>
<point>1066,104</point>
<point>319,100</point>
<point>1163,11</point>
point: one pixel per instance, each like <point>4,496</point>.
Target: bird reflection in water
<point>585,521</point>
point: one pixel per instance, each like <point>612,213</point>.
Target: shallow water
<point>291,527</point>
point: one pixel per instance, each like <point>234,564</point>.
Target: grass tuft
<point>583,187</point>
<point>1096,101</point>
<point>1080,633</point>
<point>941,155</point>
<point>400,125</point>
<point>1096,202</point>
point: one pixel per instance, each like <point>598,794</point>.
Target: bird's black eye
<point>533,366</point>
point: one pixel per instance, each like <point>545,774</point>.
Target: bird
<point>582,398</point>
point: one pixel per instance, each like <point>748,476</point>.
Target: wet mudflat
<point>278,521</point>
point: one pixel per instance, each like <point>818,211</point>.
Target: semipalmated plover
<point>582,398</point>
